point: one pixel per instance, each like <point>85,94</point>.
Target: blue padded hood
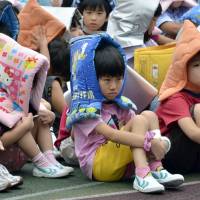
<point>9,18</point>
<point>86,94</point>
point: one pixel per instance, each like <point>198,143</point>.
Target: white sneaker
<point>148,184</point>
<point>167,179</point>
<point>4,184</point>
<point>68,152</point>
<point>51,172</point>
<point>13,180</point>
<point>66,168</point>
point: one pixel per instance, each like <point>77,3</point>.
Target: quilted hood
<point>33,15</point>
<point>187,46</point>
<point>8,17</point>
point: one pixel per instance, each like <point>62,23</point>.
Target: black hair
<point>158,11</point>
<point>75,21</point>
<point>5,30</point>
<point>108,61</point>
<point>94,4</point>
<point>66,3</point>
<point>60,58</point>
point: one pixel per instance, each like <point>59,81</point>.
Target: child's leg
<point>143,182</point>
<point>42,135</point>
<point>184,150</point>
<point>157,170</point>
<point>45,143</point>
<point>138,125</point>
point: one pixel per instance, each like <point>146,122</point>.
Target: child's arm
<point>39,38</point>
<point>171,28</point>
<point>131,139</point>
<point>57,97</point>
<point>190,127</point>
<point>162,39</point>
<point>13,135</point>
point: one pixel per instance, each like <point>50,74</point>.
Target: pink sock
<point>142,171</point>
<point>155,165</point>
<point>41,161</point>
<point>49,155</point>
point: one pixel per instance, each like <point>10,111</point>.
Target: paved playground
<point>77,187</point>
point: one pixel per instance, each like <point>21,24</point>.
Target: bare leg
<point>42,136</point>
<point>138,125</point>
<point>28,145</point>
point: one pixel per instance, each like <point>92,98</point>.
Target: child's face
<point>194,70</point>
<point>110,86</point>
<point>94,19</point>
<point>76,31</point>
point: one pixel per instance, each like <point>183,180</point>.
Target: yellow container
<point>152,62</point>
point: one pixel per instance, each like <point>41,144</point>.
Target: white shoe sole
<point>4,186</point>
<point>149,190</point>
<point>38,173</point>
<point>172,183</point>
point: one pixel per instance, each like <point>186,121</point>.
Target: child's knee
<point>195,111</point>
<point>140,120</point>
<point>149,115</point>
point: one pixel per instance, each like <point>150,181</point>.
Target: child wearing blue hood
<point>108,136</point>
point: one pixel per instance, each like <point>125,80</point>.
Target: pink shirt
<point>87,140</point>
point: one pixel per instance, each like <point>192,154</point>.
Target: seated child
<point>95,15</point>
<point>70,17</point>
<point>169,22</point>
<point>104,124</point>
<point>57,77</point>
<point>22,134</point>
<point>123,25</point>
<point>179,109</point>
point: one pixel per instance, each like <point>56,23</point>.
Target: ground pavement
<point>77,187</point>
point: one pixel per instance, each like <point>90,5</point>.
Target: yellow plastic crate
<point>152,62</point>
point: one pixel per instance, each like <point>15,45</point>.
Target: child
<point>57,77</point>
<point>125,26</point>
<point>104,125</point>
<point>95,15</point>
<point>179,108</point>
<point>169,22</point>
<point>21,133</point>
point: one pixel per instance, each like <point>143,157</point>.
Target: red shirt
<point>174,108</point>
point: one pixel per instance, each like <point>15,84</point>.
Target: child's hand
<point>27,122</point>
<point>1,146</point>
<point>39,37</point>
<point>46,116</point>
<point>158,148</point>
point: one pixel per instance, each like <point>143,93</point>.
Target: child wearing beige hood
<point>179,110</point>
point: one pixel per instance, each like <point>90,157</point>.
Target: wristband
<point>147,140</point>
